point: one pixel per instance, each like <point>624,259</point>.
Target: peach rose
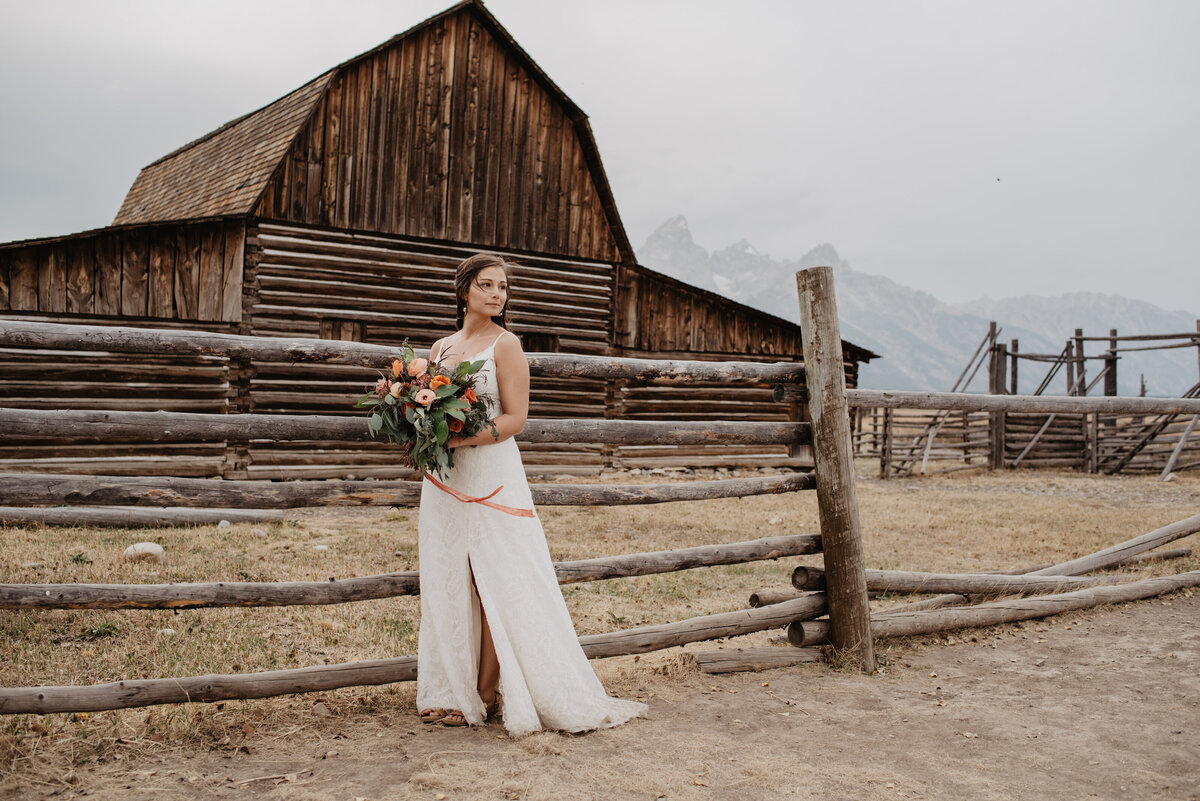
<point>439,381</point>
<point>417,367</point>
<point>381,387</point>
<point>397,366</point>
<point>425,397</point>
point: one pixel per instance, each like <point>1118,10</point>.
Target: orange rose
<point>438,381</point>
<point>469,396</point>
<point>397,366</point>
<point>455,425</point>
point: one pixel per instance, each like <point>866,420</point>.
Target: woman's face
<point>488,293</point>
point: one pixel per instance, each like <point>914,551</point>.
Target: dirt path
<point>1100,704</point>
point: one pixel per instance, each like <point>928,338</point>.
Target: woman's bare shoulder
<point>509,344</point>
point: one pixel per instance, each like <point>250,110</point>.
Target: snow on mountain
<point>924,342</point>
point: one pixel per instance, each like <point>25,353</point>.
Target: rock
<point>775,521</point>
<point>321,710</point>
<point>166,632</point>
<point>33,565</point>
<point>224,524</point>
<point>1169,477</point>
<point>258,532</point>
<point>320,547</point>
<point>144,552</point>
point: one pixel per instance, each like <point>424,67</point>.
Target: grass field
<point>956,522</point>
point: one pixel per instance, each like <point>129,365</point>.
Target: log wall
<point>313,282</point>
<point>451,133</point>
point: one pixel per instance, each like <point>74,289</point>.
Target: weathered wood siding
<point>303,281</point>
<point>169,271</point>
<point>659,317</point>
<point>449,134</point>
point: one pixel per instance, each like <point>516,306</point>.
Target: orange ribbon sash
<point>508,510</point>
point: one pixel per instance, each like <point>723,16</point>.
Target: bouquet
<point>420,405</point>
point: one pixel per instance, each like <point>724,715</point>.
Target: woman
<point>493,621</point>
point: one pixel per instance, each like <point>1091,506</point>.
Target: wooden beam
<point>28,334</point>
<point>83,492</point>
<point>20,425</point>
<point>210,688</point>
<point>810,579</point>
<point>837,499</point>
<point>387,585</point>
<point>125,517</point>
<point>903,623</point>
<point>737,660</point>
<point>896,399</point>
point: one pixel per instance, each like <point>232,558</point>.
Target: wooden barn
<point>340,211</point>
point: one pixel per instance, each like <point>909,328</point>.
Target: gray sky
<point>966,149</point>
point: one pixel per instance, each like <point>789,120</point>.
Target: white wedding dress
<point>546,681</point>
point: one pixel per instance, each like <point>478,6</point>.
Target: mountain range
<point>925,343</point>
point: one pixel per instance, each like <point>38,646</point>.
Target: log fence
<point>841,590</point>
<point>1137,434</point>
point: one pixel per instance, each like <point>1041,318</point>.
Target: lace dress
<point>545,679</point>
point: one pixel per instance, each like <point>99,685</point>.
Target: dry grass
<point>953,522</point>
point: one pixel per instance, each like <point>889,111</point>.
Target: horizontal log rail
<point>387,585</point>
<point>31,334</point>
<point>813,578</point>
<point>210,688</point>
<point>38,489</point>
<point>20,425</point>
<point>909,622</point>
<point>126,517</point>
<point>1130,551</point>
<point>959,401</point>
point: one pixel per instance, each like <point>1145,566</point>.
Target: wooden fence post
<point>1014,349</point>
<point>1110,365</point>
<point>837,498</point>
<point>1081,377</point>
<point>996,420</point>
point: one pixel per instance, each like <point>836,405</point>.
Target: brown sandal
<point>432,715</point>
<point>453,718</point>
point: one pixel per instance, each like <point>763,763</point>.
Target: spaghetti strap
<point>497,339</point>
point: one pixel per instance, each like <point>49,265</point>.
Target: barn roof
<point>222,172</point>
<point>225,171</point>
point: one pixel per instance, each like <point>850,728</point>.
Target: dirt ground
<point>1102,703</point>
<point>1097,704</point>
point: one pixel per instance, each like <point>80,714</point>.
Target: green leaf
<point>375,423</point>
<point>457,415</point>
<point>455,403</point>
<point>446,389</point>
<point>441,429</point>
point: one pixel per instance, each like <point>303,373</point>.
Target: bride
<point>493,621</point>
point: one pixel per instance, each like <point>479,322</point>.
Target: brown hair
<point>467,270</point>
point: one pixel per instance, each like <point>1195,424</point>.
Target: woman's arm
<point>512,376</point>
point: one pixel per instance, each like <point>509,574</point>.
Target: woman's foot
<point>490,708</point>
<point>432,715</point>
<point>454,718</point>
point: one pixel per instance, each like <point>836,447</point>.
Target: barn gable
<point>224,172</point>
<point>449,131</point>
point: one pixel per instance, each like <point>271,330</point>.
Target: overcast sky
<point>966,149</point>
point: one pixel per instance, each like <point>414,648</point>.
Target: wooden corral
<point>340,211</point>
<point>1108,438</point>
